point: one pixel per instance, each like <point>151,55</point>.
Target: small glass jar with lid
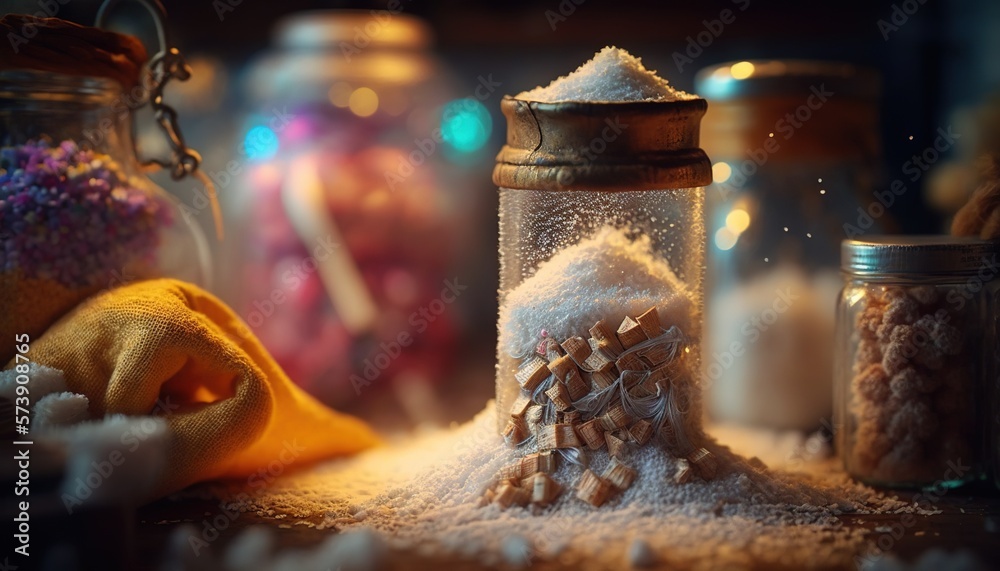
<point>915,353</point>
<point>77,212</point>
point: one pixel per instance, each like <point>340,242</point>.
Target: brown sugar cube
<point>641,432</point>
<point>598,360</point>
<point>544,490</point>
<point>534,463</point>
<point>650,323</point>
<point>604,334</point>
<point>705,463</point>
<point>514,433</point>
<point>552,436</point>
<point>512,472</point>
<point>631,362</point>
<point>615,417</point>
<point>684,473</point>
<point>561,367</point>
<point>559,396</point>
<point>487,498</point>
<point>520,406</point>
<point>531,374</point>
<point>569,417</point>
<point>630,333</point>
<point>592,433</point>
<point>577,348</point>
<point>576,386</point>
<point>548,348</point>
<point>604,379</point>
<point>506,495</point>
<point>658,353</point>
<point>592,489</point>
<point>619,475</point>
<point>616,445</point>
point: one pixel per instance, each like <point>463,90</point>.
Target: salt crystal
<point>607,276</point>
<point>612,75</point>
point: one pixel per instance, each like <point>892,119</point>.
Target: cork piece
<point>615,417</point>
<point>544,490</point>
<point>592,433</point>
<point>684,473</point>
<point>616,445</point>
<point>705,463</point>
<point>510,495</point>
<point>487,498</point>
<point>630,333</point>
<point>576,387</point>
<point>604,379</point>
<point>592,489</point>
<point>640,432</point>
<point>569,417</point>
<point>561,367</point>
<point>552,436</point>
<point>619,475</point>
<point>599,359</point>
<point>520,406</point>
<point>577,348</point>
<point>631,362</point>
<point>650,323</point>
<point>604,334</point>
<point>548,349</point>
<point>512,472</point>
<point>559,396</point>
<point>531,374</point>
<point>515,432</point>
<point>534,463</point>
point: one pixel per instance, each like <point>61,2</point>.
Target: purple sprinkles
<point>72,215</point>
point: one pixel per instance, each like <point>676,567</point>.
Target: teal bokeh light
<point>261,143</point>
<point>465,125</point>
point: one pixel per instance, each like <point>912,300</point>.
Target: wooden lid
<point>602,146</point>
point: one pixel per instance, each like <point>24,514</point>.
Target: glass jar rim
<point>34,84</point>
<point>936,255</point>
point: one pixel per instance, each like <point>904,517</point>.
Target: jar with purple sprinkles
<point>77,213</point>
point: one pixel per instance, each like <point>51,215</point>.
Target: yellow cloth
<point>169,348</point>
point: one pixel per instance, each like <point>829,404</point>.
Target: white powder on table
<point>606,276</point>
<point>421,495</point>
<point>612,75</point>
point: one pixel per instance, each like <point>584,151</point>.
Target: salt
<point>612,75</point>
<point>606,276</point>
<point>424,492</point>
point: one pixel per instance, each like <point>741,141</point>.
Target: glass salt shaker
<point>914,358</point>
<point>601,246</point>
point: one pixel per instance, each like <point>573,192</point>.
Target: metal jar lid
<point>602,146</point>
<point>928,255</point>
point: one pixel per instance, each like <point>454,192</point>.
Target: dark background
<point>940,63</point>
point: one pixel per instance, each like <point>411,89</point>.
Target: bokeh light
<point>741,70</point>
<point>725,239</point>
<point>466,125</point>
<point>261,143</point>
<point>737,221</point>
<point>363,102</point>
<point>721,172</point>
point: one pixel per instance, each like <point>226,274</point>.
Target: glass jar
<point>77,213</point>
<point>351,216</point>
<point>797,153</point>
<point>601,256</point>
<point>915,356</point>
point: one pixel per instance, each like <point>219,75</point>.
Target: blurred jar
<point>797,153</point>
<point>348,226</point>
<point>916,353</point>
<point>77,213</point>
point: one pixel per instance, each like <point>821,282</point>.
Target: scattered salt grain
<point>517,551</point>
<point>59,409</point>
<point>421,494</point>
<point>612,75</point>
